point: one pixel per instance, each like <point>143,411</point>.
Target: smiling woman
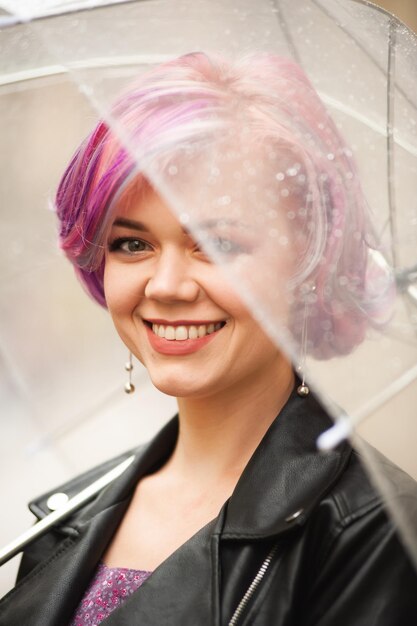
<point>168,299</point>
<point>229,516</point>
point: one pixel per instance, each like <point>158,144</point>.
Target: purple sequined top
<point>107,590</point>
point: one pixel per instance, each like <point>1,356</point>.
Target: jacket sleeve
<point>365,577</point>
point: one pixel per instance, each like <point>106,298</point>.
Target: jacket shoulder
<point>356,557</point>
<point>45,503</point>
<point>356,493</point>
<point>354,512</point>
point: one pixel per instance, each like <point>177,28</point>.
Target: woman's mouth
<point>179,338</point>
<point>183,332</point>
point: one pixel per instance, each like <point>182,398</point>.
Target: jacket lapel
<point>182,590</point>
<point>62,578</point>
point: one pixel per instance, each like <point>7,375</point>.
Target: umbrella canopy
<point>308,203</point>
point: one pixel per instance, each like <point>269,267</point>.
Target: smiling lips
<point>181,338</point>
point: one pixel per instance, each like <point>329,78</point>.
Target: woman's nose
<point>171,280</point>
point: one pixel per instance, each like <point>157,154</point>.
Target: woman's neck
<point>218,434</point>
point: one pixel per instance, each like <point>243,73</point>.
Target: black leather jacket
<point>305,533</point>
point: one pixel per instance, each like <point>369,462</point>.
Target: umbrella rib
<point>393,20</point>
<point>97,62</point>
<point>366,121</point>
<point>286,31</point>
<point>16,19</point>
<point>392,390</point>
<point>344,426</point>
<point>390,141</point>
<point>75,421</point>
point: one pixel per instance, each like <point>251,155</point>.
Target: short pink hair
<point>192,95</point>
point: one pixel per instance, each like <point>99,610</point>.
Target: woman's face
<point>174,309</point>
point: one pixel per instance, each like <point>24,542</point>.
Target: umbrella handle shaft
<point>74,503</point>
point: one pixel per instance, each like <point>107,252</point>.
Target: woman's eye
<point>129,245</point>
<point>226,246</point>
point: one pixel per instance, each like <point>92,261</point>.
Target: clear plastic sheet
<point>315,224</point>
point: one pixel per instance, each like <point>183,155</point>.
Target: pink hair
<point>185,102</point>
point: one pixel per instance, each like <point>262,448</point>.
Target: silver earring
<point>303,390</point>
<point>129,386</point>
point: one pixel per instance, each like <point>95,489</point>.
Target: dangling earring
<point>303,390</point>
<point>129,386</point>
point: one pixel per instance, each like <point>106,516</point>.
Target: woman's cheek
<point>118,289</point>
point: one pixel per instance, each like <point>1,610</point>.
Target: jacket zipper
<point>252,588</point>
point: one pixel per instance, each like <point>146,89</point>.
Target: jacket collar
<point>286,475</point>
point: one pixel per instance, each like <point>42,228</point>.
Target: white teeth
<point>181,333</point>
<point>169,333</point>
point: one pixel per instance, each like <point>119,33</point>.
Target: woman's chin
<point>171,387</point>
<point>178,388</point>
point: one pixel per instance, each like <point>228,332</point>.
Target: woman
<point>229,516</point>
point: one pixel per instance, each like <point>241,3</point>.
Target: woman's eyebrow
<point>220,222</point>
<point>133,224</point>
<point>123,221</point>
<point>205,224</point>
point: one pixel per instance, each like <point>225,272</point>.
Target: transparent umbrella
<point>326,202</point>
